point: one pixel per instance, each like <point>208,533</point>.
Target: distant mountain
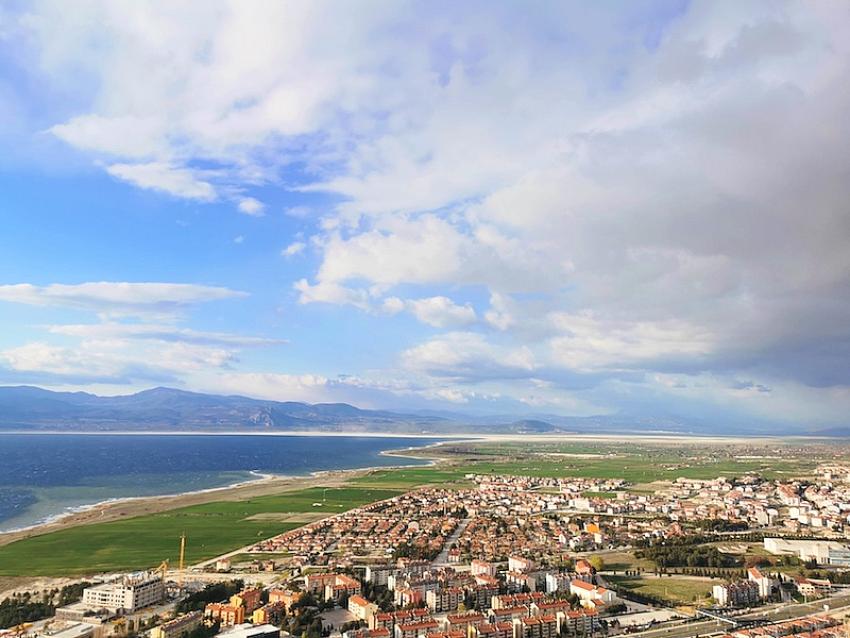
<point>169,409</point>
<point>29,408</point>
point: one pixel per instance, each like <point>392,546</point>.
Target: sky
<point>573,208</point>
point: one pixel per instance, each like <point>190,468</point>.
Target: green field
<point>215,528</point>
<point>675,590</point>
<point>144,541</point>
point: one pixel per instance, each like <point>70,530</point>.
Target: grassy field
<point>144,541</point>
<point>622,561</point>
<point>673,589</point>
<point>641,464</point>
<point>215,528</point>
<point>407,478</point>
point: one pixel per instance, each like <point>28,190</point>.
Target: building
<point>584,568</point>
<point>590,594</point>
<point>177,627</point>
<point>250,599</point>
<point>127,594</point>
<point>270,614</point>
<point>447,599</point>
<point>72,630</point>
<point>382,632</point>
<point>361,608</point>
<point>556,582</point>
<point>519,564</point>
<point>767,586</point>
<point>252,631</point>
<point>478,567</point>
<point>536,627</point>
<point>743,593</point>
<point>378,574</point>
<point>822,552</point>
<point>284,596</point>
<point>812,587</point>
<point>225,614</point>
<point>416,629</point>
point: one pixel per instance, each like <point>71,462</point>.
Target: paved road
<point>443,557</point>
<point>772,614</point>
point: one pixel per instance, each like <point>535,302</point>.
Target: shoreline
<point>265,484</point>
<point>659,435</point>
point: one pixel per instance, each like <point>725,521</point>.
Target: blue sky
<point>576,208</point>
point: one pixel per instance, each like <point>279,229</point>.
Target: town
<point>503,556</point>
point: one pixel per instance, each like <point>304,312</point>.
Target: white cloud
<point>117,298</point>
<point>441,312</point>
<point>295,248</point>
<point>159,176</point>
<point>126,136</point>
<point>468,355</point>
<point>251,206</point>
<point>158,332</point>
<point>612,197</point>
<point>330,293</point>
<point>587,343</point>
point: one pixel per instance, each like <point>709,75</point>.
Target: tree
<point>596,562</point>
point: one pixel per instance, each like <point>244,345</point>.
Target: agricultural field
<point>644,464</point>
<point>673,589</point>
<point>144,541</point>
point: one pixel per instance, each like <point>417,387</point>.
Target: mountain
<point>28,408</point>
<point>25,408</point>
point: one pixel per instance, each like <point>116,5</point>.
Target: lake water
<point>45,475</point>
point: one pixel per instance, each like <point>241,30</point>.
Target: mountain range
<point>27,408</point>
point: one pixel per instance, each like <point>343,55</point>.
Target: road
<point>443,557</point>
<point>782,612</point>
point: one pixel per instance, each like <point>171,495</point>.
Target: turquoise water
<point>45,475</point>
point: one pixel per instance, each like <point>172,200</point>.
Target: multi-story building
<point>361,608</point>
<point>445,599</point>
<point>478,566</point>
<point>536,627</point>
<point>180,625</point>
<point>250,599</point>
<point>417,629</point>
<point>270,614</point>
<point>738,594</point>
<point>127,594</point>
<point>226,614</point>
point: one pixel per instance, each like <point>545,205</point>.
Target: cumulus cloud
<point>663,198</point>
<point>468,355</point>
<point>251,206</point>
<point>439,312</point>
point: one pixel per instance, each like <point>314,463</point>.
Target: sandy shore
<point>130,507</point>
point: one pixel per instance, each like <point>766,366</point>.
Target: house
<point>590,594</point>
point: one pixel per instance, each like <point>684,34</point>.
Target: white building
<point>557,582</point>
<point>127,594</point>
<point>247,630</point>
<point>822,552</point>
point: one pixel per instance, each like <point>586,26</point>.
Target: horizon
<point>634,210</point>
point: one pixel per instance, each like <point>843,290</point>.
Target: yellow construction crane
<point>162,568</point>
<point>182,557</point>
